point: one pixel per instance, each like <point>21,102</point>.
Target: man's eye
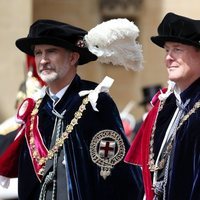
<point>36,53</point>
<point>178,49</point>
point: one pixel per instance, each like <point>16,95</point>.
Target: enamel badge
<point>106,150</point>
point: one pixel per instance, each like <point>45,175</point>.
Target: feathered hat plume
<point>114,41</point>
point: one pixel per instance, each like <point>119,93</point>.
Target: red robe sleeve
<point>9,159</point>
<point>138,153</point>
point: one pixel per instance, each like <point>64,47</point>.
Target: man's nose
<point>44,59</point>
<point>168,56</point>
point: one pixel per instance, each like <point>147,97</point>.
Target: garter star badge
<point>106,150</point>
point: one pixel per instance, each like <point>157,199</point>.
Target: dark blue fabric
<point>84,180</point>
<point>6,140</point>
<point>184,174</point>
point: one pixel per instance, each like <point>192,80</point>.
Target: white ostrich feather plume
<point>114,41</point>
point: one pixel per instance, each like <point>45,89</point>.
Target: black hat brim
<point>160,41</point>
<point>26,45</point>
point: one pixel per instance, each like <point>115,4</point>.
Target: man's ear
<point>74,57</point>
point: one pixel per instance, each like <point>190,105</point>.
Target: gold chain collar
<point>162,162</point>
<point>60,141</point>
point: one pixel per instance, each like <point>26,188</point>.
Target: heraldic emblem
<point>106,150</point>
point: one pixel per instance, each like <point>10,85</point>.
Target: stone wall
<point>17,15</point>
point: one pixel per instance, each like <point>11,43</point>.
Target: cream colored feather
<point>114,41</point>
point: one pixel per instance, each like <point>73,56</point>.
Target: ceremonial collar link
<point>162,162</point>
<point>60,141</point>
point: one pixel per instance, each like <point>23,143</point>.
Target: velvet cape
<point>83,176</point>
<point>184,174</point>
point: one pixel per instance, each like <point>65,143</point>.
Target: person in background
<point>31,84</point>
<point>167,146</point>
<point>128,120</point>
<point>71,143</point>
<point>9,127</point>
<point>148,93</point>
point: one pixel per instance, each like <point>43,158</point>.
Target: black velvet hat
<point>59,34</point>
<point>176,28</point>
<point>149,92</point>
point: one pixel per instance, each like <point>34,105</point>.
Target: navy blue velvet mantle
<point>84,180</point>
